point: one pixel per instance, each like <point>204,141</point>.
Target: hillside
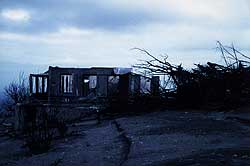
<point>158,138</point>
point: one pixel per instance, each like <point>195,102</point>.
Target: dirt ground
<point>158,138</point>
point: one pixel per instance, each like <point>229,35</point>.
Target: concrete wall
<point>26,113</point>
<point>55,73</point>
<point>129,84</point>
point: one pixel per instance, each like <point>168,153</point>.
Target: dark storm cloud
<point>49,15</point>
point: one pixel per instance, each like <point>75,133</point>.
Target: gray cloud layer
<point>82,31</point>
<point>49,15</point>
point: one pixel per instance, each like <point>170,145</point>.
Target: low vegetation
<point>41,128</point>
<point>16,92</point>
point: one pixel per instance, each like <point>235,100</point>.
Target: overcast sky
<point>101,32</point>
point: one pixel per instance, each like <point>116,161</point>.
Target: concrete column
<point>155,84</point>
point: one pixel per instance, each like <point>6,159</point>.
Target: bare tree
<point>204,82</point>
<point>232,57</point>
<point>160,66</point>
<point>16,92</point>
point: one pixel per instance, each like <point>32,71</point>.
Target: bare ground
<point>158,138</point>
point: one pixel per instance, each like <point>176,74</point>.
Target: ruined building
<point>75,92</point>
<point>81,84</point>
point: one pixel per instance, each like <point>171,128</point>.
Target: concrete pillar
<point>155,84</point>
<point>19,117</point>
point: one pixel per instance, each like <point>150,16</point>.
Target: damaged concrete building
<point>82,91</point>
<point>79,84</point>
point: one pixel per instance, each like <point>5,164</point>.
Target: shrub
<point>16,92</point>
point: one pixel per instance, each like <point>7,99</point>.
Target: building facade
<point>75,84</point>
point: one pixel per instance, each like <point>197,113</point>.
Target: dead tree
<point>183,80</point>
<point>223,83</point>
<point>16,92</point>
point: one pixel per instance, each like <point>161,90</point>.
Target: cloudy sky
<point>102,32</point>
